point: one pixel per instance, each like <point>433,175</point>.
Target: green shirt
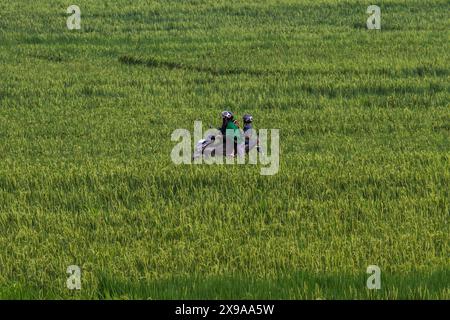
<point>236,132</point>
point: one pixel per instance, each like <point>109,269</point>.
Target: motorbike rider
<point>232,134</point>
<point>248,134</point>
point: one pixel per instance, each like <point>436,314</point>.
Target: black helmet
<point>227,115</point>
<point>247,118</point>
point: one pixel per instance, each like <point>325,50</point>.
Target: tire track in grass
<point>155,63</point>
<point>419,71</point>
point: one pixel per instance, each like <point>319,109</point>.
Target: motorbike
<point>214,146</point>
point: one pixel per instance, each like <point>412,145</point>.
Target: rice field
<point>86,177</point>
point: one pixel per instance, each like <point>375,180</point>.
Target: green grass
<point>86,176</point>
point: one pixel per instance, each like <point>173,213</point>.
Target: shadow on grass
<point>301,285</point>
